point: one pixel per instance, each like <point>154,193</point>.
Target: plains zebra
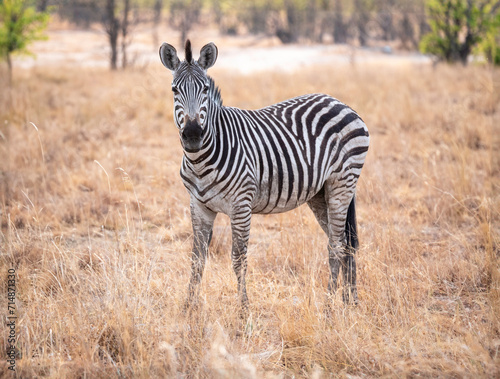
<point>309,149</point>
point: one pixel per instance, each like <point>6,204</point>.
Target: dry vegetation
<point>95,220</point>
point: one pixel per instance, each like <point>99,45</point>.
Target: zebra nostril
<point>192,131</point>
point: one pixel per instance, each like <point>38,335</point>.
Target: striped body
<point>309,149</point>
<point>277,158</point>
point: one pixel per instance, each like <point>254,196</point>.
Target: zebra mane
<point>188,52</point>
<point>214,92</point>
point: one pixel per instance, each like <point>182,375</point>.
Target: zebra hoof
<point>350,297</point>
<point>191,306</point>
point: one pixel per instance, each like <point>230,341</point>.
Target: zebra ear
<point>208,56</point>
<point>168,56</point>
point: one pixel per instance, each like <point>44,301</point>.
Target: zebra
<point>309,149</point>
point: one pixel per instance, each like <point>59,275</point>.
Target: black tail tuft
<point>351,229</point>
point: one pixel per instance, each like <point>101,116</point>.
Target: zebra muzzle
<point>192,135</point>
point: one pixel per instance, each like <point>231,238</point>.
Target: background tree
<point>411,24</point>
<point>361,19</point>
<point>225,16</point>
<point>312,21</point>
<point>457,26</point>
<point>340,26</point>
<point>41,5</point>
<point>386,9</point>
<point>116,21</point>
<point>81,12</point>
<point>125,23</point>
<point>112,26</point>
<point>20,24</point>
<point>289,31</point>
<point>257,16</point>
<point>490,45</point>
<point>406,32</point>
<point>157,8</point>
<point>184,14</point>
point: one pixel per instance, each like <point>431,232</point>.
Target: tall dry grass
<point>95,220</point>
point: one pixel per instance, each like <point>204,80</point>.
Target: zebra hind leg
<point>320,209</point>
<point>338,199</point>
<point>319,206</point>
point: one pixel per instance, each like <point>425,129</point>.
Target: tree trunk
<point>406,33</point>
<point>9,65</point>
<point>339,27</point>
<point>112,28</point>
<point>289,32</point>
<point>311,21</point>
<point>158,5</point>
<point>386,24</point>
<point>125,25</point>
<point>362,19</point>
<point>114,54</point>
<point>42,5</point>
<point>466,48</point>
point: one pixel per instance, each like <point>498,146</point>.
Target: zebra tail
<point>351,229</point>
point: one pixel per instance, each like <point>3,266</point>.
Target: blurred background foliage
<point>20,24</point>
<point>326,21</point>
<point>457,26</point>
<point>451,30</point>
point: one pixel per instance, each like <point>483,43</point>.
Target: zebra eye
<point>175,90</point>
<point>205,89</point>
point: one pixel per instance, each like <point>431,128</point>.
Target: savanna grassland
<point>95,220</point>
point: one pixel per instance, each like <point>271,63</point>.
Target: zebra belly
<point>260,207</point>
<point>267,201</point>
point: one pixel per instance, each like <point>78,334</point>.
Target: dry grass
<point>95,220</point>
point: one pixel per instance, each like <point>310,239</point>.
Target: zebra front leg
<point>240,225</point>
<point>203,221</point>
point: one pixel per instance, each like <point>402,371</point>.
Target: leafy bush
<point>20,25</point>
<point>458,26</point>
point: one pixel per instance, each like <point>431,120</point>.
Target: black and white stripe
<point>309,149</point>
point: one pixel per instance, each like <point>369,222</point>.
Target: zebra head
<point>190,86</point>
